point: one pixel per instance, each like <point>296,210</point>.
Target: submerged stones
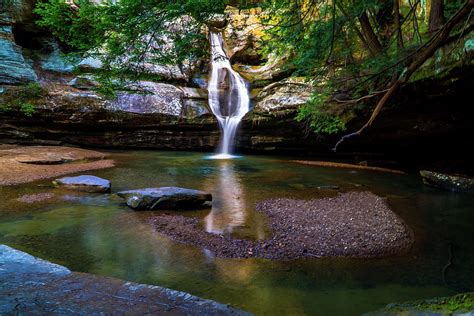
<point>448,182</point>
<point>165,198</point>
<point>85,183</point>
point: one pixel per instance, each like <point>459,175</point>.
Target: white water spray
<point>228,96</point>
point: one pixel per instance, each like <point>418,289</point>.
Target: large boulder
<point>85,183</point>
<point>283,96</point>
<point>150,97</point>
<point>165,198</point>
<point>448,182</point>
<point>14,69</point>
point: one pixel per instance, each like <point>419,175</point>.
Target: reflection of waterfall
<point>228,96</point>
<point>228,210</point>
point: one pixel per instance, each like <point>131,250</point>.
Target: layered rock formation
<point>172,112</point>
<point>14,69</point>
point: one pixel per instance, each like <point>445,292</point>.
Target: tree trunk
<point>359,33</point>
<point>398,29</point>
<point>425,52</point>
<point>372,41</point>
<point>436,15</point>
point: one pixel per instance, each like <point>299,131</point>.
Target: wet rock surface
<point>448,182</point>
<point>22,164</point>
<point>85,183</point>
<point>14,69</point>
<point>149,97</point>
<point>165,198</point>
<point>29,285</point>
<point>460,304</point>
<point>354,224</point>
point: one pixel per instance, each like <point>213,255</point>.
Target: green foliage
<point>320,120</point>
<point>129,33</point>
<point>22,99</point>
<point>457,304</point>
<point>27,108</point>
<point>351,45</point>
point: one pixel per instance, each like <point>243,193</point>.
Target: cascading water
<point>228,96</point>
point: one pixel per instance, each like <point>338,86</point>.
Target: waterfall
<point>228,96</point>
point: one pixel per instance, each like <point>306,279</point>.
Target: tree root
<point>450,262</point>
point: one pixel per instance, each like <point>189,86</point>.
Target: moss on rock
<point>454,305</point>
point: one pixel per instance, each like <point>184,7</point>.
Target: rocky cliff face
<point>14,68</point>
<point>174,114</point>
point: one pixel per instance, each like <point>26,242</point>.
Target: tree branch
<point>438,40</point>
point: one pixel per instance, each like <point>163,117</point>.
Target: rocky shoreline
<point>354,224</point>
<point>29,285</point>
<point>22,164</point>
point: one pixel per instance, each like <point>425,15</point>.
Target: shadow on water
<point>99,234</point>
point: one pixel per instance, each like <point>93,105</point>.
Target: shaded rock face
<point>288,94</point>
<point>448,182</point>
<point>85,183</point>
<point>165,72</point>
<point>21,12</point>
<point>242,33</point>
<point>29,285</point>
<point>274,69</point>
<point>51,58</point>
<point>165,198</point>
<point>13,67</point>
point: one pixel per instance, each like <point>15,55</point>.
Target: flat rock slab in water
<point>448,182</point>
<point>84,183</point>
<point>45,159</point>
<point>165,198</point>
<point>29,285</point>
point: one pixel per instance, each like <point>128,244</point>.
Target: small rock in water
<point>448,182</point>
<point>328,187</point>
<point>84,183</point>
<point>165,198</point>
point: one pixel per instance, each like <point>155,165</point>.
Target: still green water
<point>98,234</point>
